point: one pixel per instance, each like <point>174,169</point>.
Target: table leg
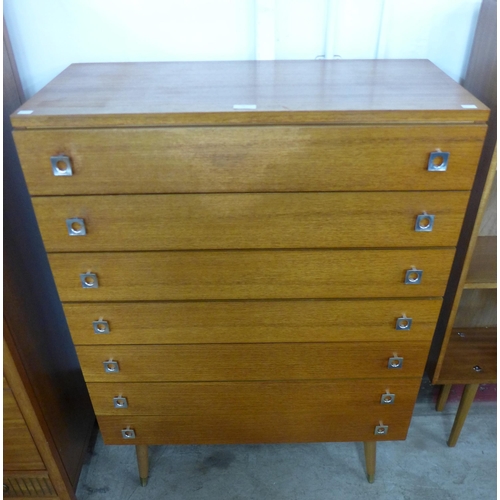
<point>370,458</point>
<point>142,462</point>
<point>467,398</point>
<point>444,392</point>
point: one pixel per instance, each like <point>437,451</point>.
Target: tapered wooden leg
<point>443,396</point>
<point>463,408</point>
<point>142,461</point>
<point>370,458</point>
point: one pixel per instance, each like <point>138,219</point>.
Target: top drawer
<point>249,159</point>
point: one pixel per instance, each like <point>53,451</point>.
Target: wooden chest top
<point>249,92</point>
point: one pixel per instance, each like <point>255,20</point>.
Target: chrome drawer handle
<point>76,227</point>
<point>381,430</point>
<point>101,326</point>
<point>387,399</point>
<point>111,366</point>
<point>413,276</point>
<point>89,280</point>
<point>128,433</point>
<point>395,363</point>
<point>120,402</point>
<point>403,323</point>
<point>61,165</point>
<point>438,161</point>
<point>424,223</point>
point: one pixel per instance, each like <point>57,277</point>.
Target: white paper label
<point>25,112</point>
<point>245,106</point>
<point>469,106</point>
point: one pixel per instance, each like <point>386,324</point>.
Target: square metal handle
<point>101,327</point>
<point>61,165</point>
<point>387,399</point>
<point>89,280</point>
<point>120,402</point>
<point>424,223</point>
<point>128,433</point>
<point>395,363</point>
<point>76,227</point>
<point>381,430</point>
<point>438,161</point>
<point>413,277</point>
<point>111,366</point>
<point>403,323</point>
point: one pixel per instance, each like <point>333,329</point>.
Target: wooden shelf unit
<point>468,307</point>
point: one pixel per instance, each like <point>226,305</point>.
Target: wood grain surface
<point>251,398</point>
<point>475,347</point>
<point>219,362</point>
<point>232,221</point>
<point>310,427</point>
<point>250,159</point>
<point>478,308</point>
<point>252,274</point>
<point>251,321</point>
<point>482,271</point>
<point>282,91</point>
<point>19,449</point>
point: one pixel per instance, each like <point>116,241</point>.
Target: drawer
<point>232,362</point>
<point>230,221</point>
<point>251,321</point>
<point>310,427</point>
<point>250,159</point>
<point>258,274</point>
<point>253,398</point>
<point>28,484</point>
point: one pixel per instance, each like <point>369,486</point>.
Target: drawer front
<point>252,398</point>
<point>250,274</point>
<point>230,221</point>
<point>250,159</point>
<point>251,321</point>
<point>227,362</point>
<point>247,429</point>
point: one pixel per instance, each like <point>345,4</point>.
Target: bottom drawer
<point>27,484</point>
<point>313,426</point>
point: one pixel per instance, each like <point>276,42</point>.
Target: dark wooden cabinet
<point>48,417</point>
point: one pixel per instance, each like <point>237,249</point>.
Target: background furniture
<point>48,417</point>
<point>465,349</point>
<point>251,252</point>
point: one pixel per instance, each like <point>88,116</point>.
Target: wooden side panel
<point>250,159</point>
<point>40,340</point>
<point>231,221</point>
<point>307,427</point>
<point>251,321</point>
<point>244,274</point>
<point>251,398</point>
<point>225,362</point>
<point>19,449</point>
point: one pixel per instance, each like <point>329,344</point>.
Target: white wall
<point>48,35</point>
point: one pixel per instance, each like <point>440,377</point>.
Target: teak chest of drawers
<point>251,252</point>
